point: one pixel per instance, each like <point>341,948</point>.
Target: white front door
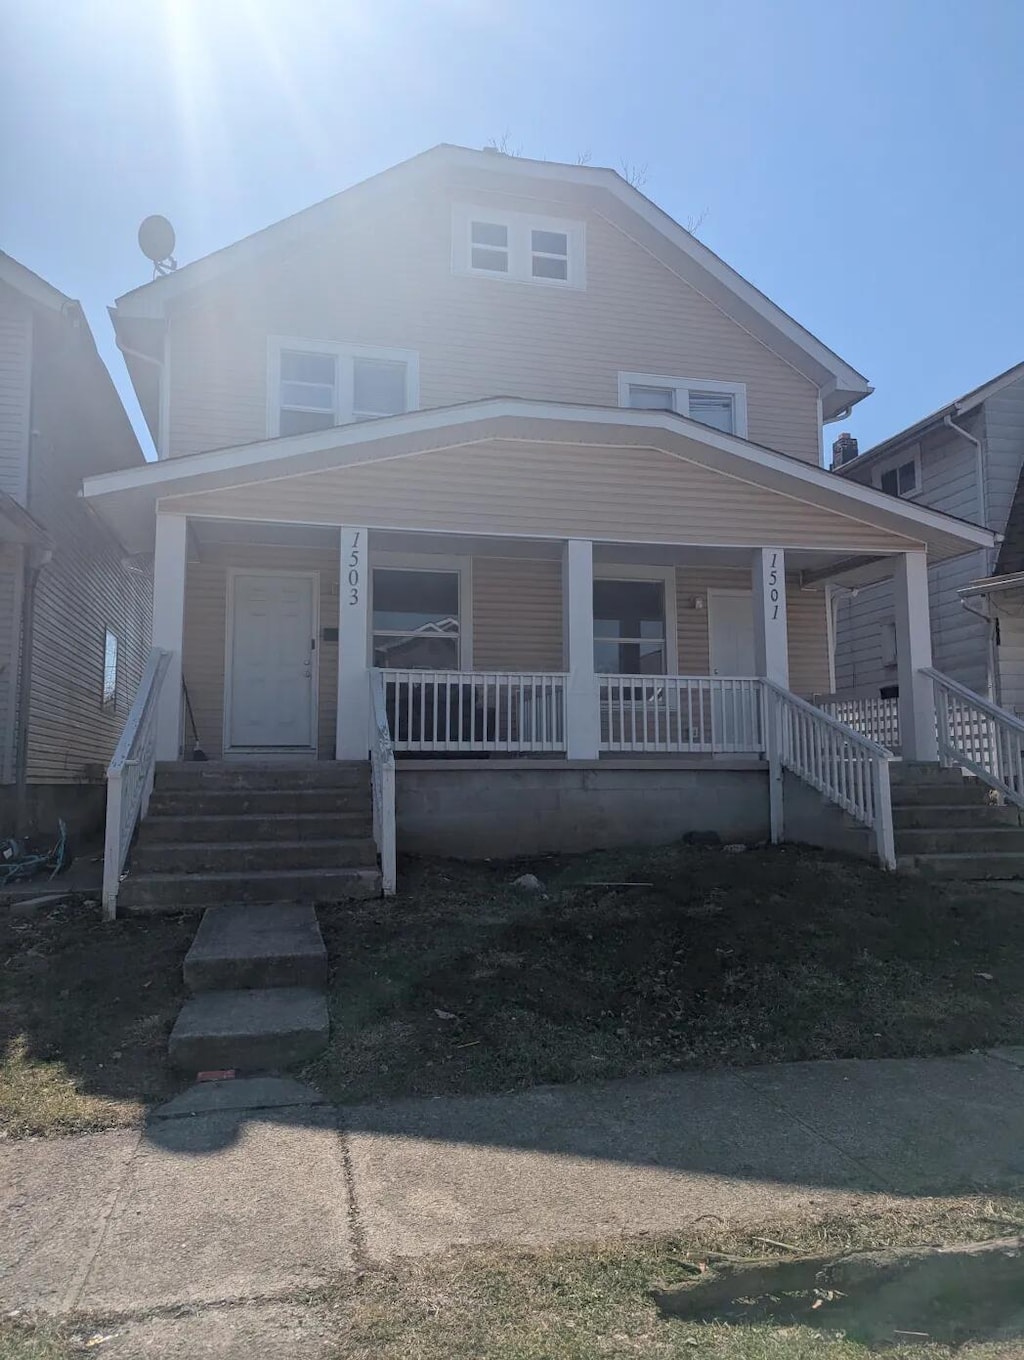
<point>731,627</point>
<point>731,646</point>
<point>271,680</point>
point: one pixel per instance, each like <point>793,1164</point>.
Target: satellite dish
<point>156,241</point>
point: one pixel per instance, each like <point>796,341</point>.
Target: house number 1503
<point>773,585</point>
<point>354,558</point>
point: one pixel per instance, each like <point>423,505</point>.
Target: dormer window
<point>900,476</point>
<point>315,385</point>
<point>517,247</point>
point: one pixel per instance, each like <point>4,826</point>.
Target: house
<point>488,466</point>
<point>74,605</point>
<point>966,459</point>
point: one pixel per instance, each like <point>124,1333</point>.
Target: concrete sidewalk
<point>256,1189</point>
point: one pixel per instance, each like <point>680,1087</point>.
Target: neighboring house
<point>74,610</point>
<point>965,459</point>
<point>508,419</point>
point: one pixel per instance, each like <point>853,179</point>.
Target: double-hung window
<point>314,386</point>
<point>721,405</point>
<point>517,247</point>
<point>629,627</point>
<point>416,619</point>
<point>900,476</point>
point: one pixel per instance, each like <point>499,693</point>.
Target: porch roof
<point>127,499</point>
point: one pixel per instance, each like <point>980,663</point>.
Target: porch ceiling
<point>518,468</point>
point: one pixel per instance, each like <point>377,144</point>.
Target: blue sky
<point>859,162</point>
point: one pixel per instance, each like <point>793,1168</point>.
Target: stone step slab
<point>263,945</point>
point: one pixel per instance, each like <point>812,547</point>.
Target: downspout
<point>994,686</point>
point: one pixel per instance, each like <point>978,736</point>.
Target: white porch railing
<point>874,718</point>
<point>130,777</point>
<point>474,711</point>
<point>980,736</point>
<point>669,714</point>
<point>382,779</point>
<point>845,766</point>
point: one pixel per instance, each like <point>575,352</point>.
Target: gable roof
<point>34,288</point>
<point>959,407</point>
<point>839,384</point>
<point>127,499</point>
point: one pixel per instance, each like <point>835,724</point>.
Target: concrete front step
<point>939,792</point>
<point>261,945</point>
<point>250,1031</point>
<point>230,775</point>
<point>942,817</point>
<point>257,802</point>
<point>245,857</point>
<point>964,866</point>
<point>964,840</point>
<point>923,772</point>
<point>150,894</point>
<point>284,826</point>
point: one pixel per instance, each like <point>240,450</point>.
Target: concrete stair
<point>257,974</point>
<point>222,832</point>
<point>948,824</point>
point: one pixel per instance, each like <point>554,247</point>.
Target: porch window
<point>325,385</point>
<point>629,627</point>
<point>721,405</point>
<point>416,619</point>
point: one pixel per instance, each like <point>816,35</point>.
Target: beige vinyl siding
<point>383,276</point>
<point>517,614</point>
<point>634,495</point>
<point>805,611</point>
<point>15,405</point>
<point>88,585</point>
<point>516,625</point>
<point>203,653</point>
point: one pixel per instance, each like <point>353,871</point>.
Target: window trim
<point>911,454</point>
<point>344,384</point>
<point>520,227</point>
<point>400,561</point>
<point>665,576</point>
<point>737,390</point>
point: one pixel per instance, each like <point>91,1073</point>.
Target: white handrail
<point>869,714</point>
<point>382,779</point>
<point>130,777</point>
<point>680,714</point>
<point>498,712</point>
<point>978,735</point>
<point>845,766</point>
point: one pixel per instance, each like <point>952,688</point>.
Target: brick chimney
<point>844,450</point>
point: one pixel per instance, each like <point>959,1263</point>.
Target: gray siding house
<point>964,459</point>
<point>75,609</point>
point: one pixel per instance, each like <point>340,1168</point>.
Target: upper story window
<point>900,476</point>
<point>314,385</point>
<point>723,406</point>
<point>518,247</point>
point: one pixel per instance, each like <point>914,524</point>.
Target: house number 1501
<point>773,585</point>
<point>353,569</point>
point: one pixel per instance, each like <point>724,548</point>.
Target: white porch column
<point>914,651</point>
<point>582,713</point>
<point>771,631</point>
<point>170,557</point>
<point>353,739</point>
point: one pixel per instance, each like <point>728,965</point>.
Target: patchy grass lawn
<point>593,1302</point>
<point>465,984</point>
<point>85,1011</point>
<point>578,1303</point>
